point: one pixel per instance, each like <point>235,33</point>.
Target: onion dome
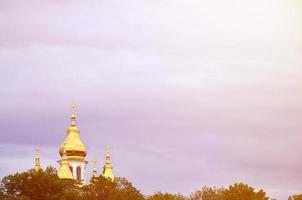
<point>73,145</point>
<point>107,169</point>
<point>64,171</point>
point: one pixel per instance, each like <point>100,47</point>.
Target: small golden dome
<point>73,145</point>
<point>107,169</point>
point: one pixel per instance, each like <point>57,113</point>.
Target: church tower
<point>73,151</point>
<point>107,169</point>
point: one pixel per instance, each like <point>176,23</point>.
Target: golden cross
<point>37,150</point>
<point>107,148</point>
<point>94,161</point>
<point>73,106</point>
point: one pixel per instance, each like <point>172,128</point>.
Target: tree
<point>165,196</point>
<point>240,191</point>
<point>295,197</point>
<point>105,189</point>
<point>207,193</point>
<point>127,191</point>
<point>35,185</point>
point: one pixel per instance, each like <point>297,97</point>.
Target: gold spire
<point>94,173</point>
<point>73,145</point>
<point>107,169</point>
<point>108,154</point>
<point>64,171</point>
<point>73,117</point>
<point>37,159</point>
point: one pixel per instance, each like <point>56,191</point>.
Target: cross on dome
<point>107,148</point>
<point>73,107</point>
<point>94,161</point>
<point>37,150</point>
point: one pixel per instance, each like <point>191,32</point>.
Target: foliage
<point>46,185</point>
<point>295,197</point>
<point>207,193</point>
<point>105,189</point>
<point>165,196</point>
<point>35,185</point>
<point>127,191</point>
<point>240,191</point>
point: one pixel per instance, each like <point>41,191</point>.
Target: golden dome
<point>73,145</point>
<point>107,169</point>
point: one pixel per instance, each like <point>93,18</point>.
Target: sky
<point>187,93</point>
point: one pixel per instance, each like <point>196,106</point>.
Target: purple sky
<point>187,93</point>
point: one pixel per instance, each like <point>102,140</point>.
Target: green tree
<point>99,188</point>
<point>166,196</point>
<point>295,197</point>
<point>73,194</point>
<point>207,193</point>
<point>127,190</point>
<point>35,185</point>
<point>240,191</point>
<point>105,189</point>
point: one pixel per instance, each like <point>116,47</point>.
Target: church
<point>73,156</point>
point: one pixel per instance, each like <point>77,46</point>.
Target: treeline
<point>45,185</point>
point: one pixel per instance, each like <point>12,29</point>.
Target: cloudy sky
<point>187,93</point>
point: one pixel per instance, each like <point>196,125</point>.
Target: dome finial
<point>95,174</point>
<point>73,117</point>
<point>37,159</point>
<point>107,148</point>
<point>73,106</point>
<point>108,153</point>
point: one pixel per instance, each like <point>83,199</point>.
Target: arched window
<point>79,173</point>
